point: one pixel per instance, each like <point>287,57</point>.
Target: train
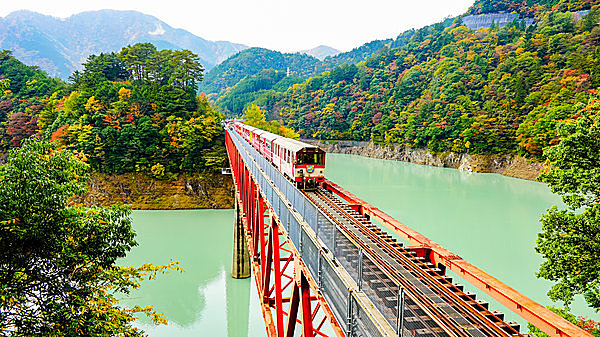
<point>299,162</point>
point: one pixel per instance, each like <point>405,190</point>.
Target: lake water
<point>488,219</point>
<point>203,300</point>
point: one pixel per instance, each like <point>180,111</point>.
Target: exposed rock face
<point>508,165</point>
<point>214,190</point>
<point>142,192</point>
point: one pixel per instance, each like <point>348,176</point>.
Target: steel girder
<point>289,296</point>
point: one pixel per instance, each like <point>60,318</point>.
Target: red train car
<point>302,163</point>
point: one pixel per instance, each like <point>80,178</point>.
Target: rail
<point>531,311</point>
<point>424,284</point>
<point>373,285</point>
<point>305,226</point>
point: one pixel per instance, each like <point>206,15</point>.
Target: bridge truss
<point>323,268</point>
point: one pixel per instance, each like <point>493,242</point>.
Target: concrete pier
<point>241,258</point>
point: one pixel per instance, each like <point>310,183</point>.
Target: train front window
<point>309,158</point>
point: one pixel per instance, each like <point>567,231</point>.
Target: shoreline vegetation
<point>215,191</point>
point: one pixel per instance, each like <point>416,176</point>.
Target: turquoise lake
<point>488,219</point>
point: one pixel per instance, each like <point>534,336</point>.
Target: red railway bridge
<point>323,268</point>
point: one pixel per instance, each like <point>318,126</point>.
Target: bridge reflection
<point>203,300</point>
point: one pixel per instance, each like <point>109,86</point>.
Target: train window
<point>309,158</point>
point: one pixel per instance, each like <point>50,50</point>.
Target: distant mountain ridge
<point>59,46</point>
<point>320,52</point>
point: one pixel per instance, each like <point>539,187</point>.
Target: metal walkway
<point>320,257</point>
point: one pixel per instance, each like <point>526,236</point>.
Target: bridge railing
<point>352,305</point>
<point>350,293</point>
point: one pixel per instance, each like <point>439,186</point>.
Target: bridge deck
<point>367,282</point>
<point>433,305</point>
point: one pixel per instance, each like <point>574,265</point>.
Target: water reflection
<point>238,304</point>
<point>204,300</point>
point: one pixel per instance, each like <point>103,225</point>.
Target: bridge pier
<point>241,258</point>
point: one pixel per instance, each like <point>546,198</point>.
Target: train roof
<point>249,128</point>
<point>294,145</point>
<point>260,132</point>
<point>270,136</point>
<point>288,143</point>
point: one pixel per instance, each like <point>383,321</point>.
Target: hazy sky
<point>282,25</point>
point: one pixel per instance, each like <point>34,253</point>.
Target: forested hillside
<point>132,111</point>
<point>528,8</point>
<point>25,92</point>
<point>496,90</point>
<point>250,88</point>
<point>253,61</point>
<point>259,88</point>
<point>357,54</point>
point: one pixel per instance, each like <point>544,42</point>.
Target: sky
<point>282,25</point>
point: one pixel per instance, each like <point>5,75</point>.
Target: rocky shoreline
<point>186,191</point>
<point>215,191</point>
<point>508,165</point>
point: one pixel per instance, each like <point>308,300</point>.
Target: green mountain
<point>450,88</point>
<point>60,46</point>
<point>232,84</point>
<point>267,85</point>
<point>357,54</point>
<point>252,61</point>
<point>234,100</point>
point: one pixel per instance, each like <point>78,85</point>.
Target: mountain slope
<point>495,90</point>
<point>60,46</point>
<point>357,54</point>
<point>250,88</point>
<point>251,61</point>
<point>528,8</point>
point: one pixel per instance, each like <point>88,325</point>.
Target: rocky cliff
<point>508,165</point>
<point>187,191</point>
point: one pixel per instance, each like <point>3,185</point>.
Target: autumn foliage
<point>448,88</point>
<point>127,111</point>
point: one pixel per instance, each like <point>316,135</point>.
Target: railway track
<point>396,275</point>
